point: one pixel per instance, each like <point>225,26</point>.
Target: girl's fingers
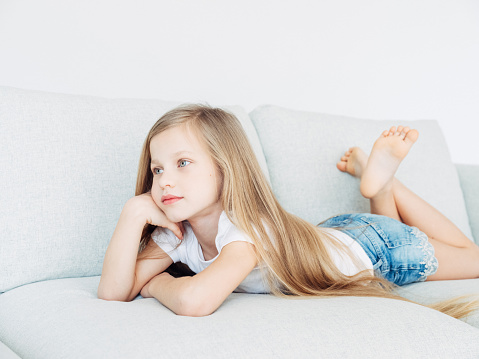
<point>158,218</point>
<point>182,227</point>
<point>175,229</point>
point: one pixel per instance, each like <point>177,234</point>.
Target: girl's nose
<point>166,180</point>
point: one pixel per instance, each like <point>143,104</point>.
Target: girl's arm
<point>203,293</point>
<point>124,272</point>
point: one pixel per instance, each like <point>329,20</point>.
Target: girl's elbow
<point>111,295</point>
<point>193,311</point>
<point>194,306</point>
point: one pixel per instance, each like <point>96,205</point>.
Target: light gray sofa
<point>68,164</point>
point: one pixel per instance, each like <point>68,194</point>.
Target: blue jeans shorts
<point>399,253</point>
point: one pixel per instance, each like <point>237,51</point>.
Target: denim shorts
<point>401,254</point>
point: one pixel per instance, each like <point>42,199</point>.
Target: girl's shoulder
<point>228,233</point>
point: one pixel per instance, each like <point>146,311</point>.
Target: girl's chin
<point>174,217</point>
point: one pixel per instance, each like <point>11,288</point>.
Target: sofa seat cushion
<point>302,149</point>
<point>67,320</point>
<point>435,291</point>
<point>68,164</point>
<point>469,178</point>
<point>7,353</point>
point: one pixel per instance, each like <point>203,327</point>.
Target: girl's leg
<point>457,255</point>
<point>455,262</point>
<point>414,211</point>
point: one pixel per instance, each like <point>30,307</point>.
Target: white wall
<point>376,59</point>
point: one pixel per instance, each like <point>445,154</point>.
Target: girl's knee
<point>475,249</point>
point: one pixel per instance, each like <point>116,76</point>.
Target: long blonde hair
<point>294,251</point>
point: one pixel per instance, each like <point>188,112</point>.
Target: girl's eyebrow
<point>177,154</point>
<point>182,153</point>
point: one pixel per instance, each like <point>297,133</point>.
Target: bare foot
<point>353,162</point>
<point>386,156</point>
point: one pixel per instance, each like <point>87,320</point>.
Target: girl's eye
<point>157,171</point>
<point>183,163</point>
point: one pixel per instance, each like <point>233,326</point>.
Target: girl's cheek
<point>156,196</point>
<point>154,186</point>
<point>154,190</point>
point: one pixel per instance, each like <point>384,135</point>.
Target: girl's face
<point>186,182</point>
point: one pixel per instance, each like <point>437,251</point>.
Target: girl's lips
<point>170,199</point>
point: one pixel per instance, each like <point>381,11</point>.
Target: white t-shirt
<point>189,252</point>
<point>344,262</point>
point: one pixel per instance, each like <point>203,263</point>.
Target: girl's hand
<point>148,211</point>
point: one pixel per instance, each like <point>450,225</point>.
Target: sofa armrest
<point>469,179</point>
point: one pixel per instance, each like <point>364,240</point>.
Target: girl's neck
<point>205,228</point>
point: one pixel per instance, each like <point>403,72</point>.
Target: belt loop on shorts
<point>378,264</point>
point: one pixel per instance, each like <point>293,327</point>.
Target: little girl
<point>202,199</point>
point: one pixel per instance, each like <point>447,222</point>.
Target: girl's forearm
<point>178,295</point>
<point>169,291</point>
<point>118,274</point>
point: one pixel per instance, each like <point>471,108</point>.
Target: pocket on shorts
<point>404,256</point>
<point>399,234</point>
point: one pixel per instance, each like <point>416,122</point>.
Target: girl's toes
<point>404,132</point>
<point>392,130</point>
<point>341,166</point>
<point>399,130</point>
<point>411,136</point>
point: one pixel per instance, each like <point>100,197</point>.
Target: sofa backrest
<point>67,166</point>
<point>302,149</point>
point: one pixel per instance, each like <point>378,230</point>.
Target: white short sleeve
<point>167,241</point>
<point>228,233</point>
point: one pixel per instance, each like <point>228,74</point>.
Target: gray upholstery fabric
<point>7,353</point>
<point>64,319</point>
<point>435,291</point>
<point>469,178</point>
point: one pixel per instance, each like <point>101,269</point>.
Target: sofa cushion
<point>68,164</point>
<point>7,353</point>
<point>67,320</point>
<point>430,292</point>
<point>302,149</point>
<point>469,178</point>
